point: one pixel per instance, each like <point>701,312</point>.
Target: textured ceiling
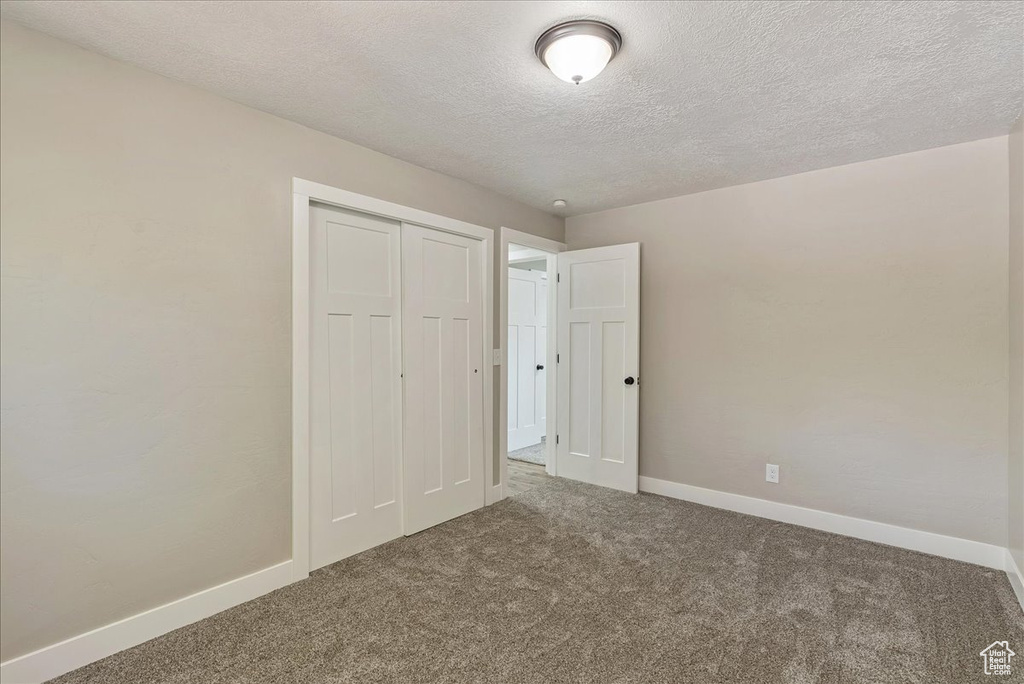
<point>702,95</point>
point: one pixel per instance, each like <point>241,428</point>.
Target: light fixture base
<point>572,29</point>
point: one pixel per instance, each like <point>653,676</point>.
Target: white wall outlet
<point>771,473</point>
<point>496,360</point>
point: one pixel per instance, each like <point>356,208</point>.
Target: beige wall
<point>847,324</point>
<point>1016,469</point>
<point>146,354</point>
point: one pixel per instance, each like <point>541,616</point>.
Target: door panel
<point>443,340</point>
<point>580,366</point>
<point>541,380</point>
<point>527,326</point>
<point>386,400</point>
<point>356,437</point>
<point>341,368</point>
<point>513,383</point>
<point>430,396</point>
<point>462,397</point>
<point>527,381</point>
<point>598,371</point>
<point>613,390</point>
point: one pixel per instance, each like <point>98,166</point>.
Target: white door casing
<point>356,407</point>
<point>527,354</point>
<point>512,240</point>
<point>598,325</point>
<point>444,367</point>
<point>306,194</point>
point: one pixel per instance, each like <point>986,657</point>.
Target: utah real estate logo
<point>997,658</point>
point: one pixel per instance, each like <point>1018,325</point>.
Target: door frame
<point>510,236</point>
<point>304,192</point>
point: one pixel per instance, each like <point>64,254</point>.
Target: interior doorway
<point>570,363</point>
<point>528,373</point>
<point>528,392</point>
<point>526,355</point>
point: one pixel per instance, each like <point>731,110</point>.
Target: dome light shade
<point>577,51</point>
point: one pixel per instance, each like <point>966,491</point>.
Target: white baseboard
<point>55,660</point>
<point>988,555</point>
<point>1016,578</point>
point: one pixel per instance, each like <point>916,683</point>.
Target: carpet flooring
<point>531,454</point>
<point>572,583</point>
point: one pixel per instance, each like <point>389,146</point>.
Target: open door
<point>598,365</point>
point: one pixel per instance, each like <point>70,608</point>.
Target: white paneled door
<point>356,385</point>
<point>527,357</point>
<point>598,322</point>
<point>444,367</point>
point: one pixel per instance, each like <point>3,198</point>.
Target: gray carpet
<point>572,583</point>
<point>531,454</point>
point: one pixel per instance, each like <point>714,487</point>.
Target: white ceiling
<point>703,94</point>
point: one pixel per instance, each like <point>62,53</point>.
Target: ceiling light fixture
<point>577,51</point>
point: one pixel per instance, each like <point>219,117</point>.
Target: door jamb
<point>304,192</point>
<point>553,247</point>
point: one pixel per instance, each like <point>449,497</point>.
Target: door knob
<point>630,380</point>
<point>540,367</point>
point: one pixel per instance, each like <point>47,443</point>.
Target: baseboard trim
<point>73,653</point>
<point>1016,578</point>
<point>988,555</point>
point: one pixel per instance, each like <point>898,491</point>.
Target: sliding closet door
<point>356,365</point>
<point>443,343</point>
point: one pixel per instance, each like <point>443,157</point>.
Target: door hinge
<point>556,439</point>
<point>558,358</point>
<point>558,277</point>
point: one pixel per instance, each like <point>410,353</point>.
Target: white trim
<point>517,237</point>
<point>300,386</point>
<point>551,401</point>
<point>71,654</point>
<point>488,274</point>
<point>303,192</point>
<point>379,207</point>
<point>988,555</point>
<point>1016,578</point>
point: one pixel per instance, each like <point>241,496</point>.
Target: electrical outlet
<point>771,473</point>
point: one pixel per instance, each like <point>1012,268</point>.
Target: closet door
<point>443,343</point>
<point>527,350</point>
<point>356,407</point>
